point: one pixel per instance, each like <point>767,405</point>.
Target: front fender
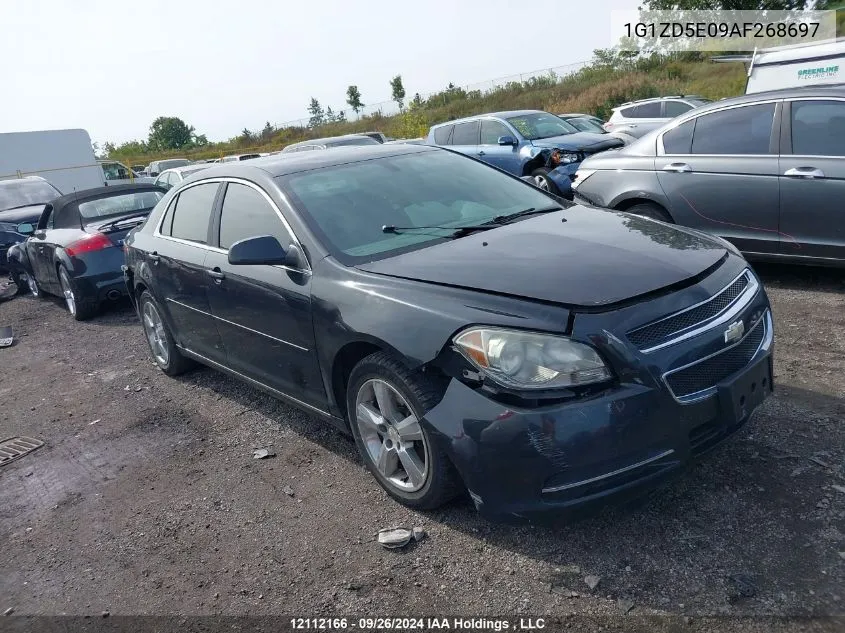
<point>18,261</point>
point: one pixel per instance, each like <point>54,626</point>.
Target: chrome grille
<point>659,332</point>
<point>709,372</point>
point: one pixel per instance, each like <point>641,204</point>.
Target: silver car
<point>637,118</point>
<point>173,176</point>
<point>765,171</point>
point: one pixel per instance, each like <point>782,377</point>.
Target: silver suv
<point>637,118</point>
<point>765,171</point>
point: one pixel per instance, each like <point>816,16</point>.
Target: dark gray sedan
<point>765,171</point>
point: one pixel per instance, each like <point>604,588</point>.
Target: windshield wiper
<point>457,231</point>
<point>137,216</point>
<point>505,219</point>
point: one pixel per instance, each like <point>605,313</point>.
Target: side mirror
<point>25,228</point>
<point>265,250</point>
<point>507,140</point>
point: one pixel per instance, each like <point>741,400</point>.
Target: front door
<point>179,273</point>
<point>504,157</point>
<point>264,312</point>
<point>719,172</point>
<point>812,179</point>
<point>41,251</point>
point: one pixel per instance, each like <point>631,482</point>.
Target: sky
<point>112,67</point>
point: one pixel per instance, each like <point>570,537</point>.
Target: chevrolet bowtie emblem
<point>734,332</point>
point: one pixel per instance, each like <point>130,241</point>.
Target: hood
<point>31,214</point>
<point>594,258</point>
<point>591,142</point>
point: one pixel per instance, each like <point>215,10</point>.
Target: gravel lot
<point>146,498</point>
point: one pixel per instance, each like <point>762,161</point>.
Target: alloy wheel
<point>392,435</point>
<point>156,336</point>
<point>67,291</point>
<point>542,183</point>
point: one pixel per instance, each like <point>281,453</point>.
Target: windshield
<point>22,193</point>
<point>364,140</point>
<point>586,125</point>
<point>125,204</point>
<point>347,205</point>
<point>173,162</point>
<point>541,125</point>
<point>699,102</point>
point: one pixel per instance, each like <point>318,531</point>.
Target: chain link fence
<point>390,108</point>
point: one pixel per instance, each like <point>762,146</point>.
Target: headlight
<point>559,157</point>
<point>581,175</point>
<point>525,360</point>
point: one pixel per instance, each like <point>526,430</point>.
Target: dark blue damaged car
<point>472,332</point>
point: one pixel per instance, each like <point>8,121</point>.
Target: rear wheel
<point>79,308</point>
<point>386,404</point>
<point>542,180</point>
<point>165,353</point>
<point>650,210</point>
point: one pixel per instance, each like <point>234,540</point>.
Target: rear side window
<point>442,134</point>
<point>246,213</point>
<point>679,139</point>
<point>739,131</point>
<point>628,113</point>
<point>492,130</point>
<point>192,212</point>
<point>465,134</point>
<point>818,128</point>
<point>676,108</point>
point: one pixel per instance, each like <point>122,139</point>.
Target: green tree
<point>267,132</point>
<point>417,101</point>
<point>246,136</point>
<point>317,114</point>
<point>331,117</point>
<point>731,5</point>
<point>340,117</point>
<point>199,140</point>
<point>353,98</point>
<point>397,91</point>
<point>169,132</point>
<point>108,148</point>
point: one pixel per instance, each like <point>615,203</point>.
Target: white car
<point>170,177</point>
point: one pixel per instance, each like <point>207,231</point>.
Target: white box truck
<point>64,158</point>
<point>796,66</point>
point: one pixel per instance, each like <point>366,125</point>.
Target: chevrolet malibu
<point>469,330</point>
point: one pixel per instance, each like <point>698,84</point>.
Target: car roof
<point>326,139</point>
<point>182,168</point>
<point>294,162</point>
<point>25,178</point>
<point>102,192</point>
<point>505,114</point>
<point>650,99</point>
<point>783,93</point>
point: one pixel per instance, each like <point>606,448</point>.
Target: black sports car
<point>75,251</point>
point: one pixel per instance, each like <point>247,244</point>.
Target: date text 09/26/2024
<point>417,624</point>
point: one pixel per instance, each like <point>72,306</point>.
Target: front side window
<point>348,205</point>
<point>540,125</point>
<point>818,128</point>
<point>678,140</point>
<point>246,213</point>
<point>740,131</point>
<point>192,212</point>
<point>491,131</point>
<point>163,180</point>
<point>127,203</point>
<point>442,134</point>
<point>465,134</point>
<point>676,108</point>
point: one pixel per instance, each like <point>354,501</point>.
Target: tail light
<point>88,244</point>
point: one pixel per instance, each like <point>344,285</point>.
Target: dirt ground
<point>146,498</point>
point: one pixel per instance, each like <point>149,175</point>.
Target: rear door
<point>812,178</point>
<point>264,312</point>
<point>719,172</point>
<point>504,157</point>
<point>465,138</point>
<point>179,273</point>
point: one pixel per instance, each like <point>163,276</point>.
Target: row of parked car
<point>473,331</point>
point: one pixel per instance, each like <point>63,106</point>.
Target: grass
<point>595,90</point>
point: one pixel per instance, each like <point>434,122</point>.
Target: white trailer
<point>65,158</point>
<point>796,66</point>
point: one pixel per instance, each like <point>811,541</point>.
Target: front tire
<point>162,346</point>
<point>650,210</point>
<point>542,180</point>
<point>385,404</point>
<point>79,308</point>
<point>26,284</point>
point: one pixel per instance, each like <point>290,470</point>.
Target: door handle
<point>217,275</point>
<point>804,172</point>
<point>482,153</point>
<point>153,257</point>
<point>678,168</point>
